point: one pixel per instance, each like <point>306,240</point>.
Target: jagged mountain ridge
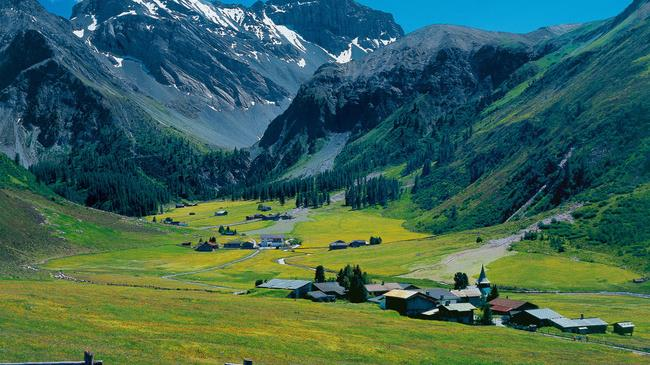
<point>564,118</point>
<point>455,64</point>
<point>224,71</point>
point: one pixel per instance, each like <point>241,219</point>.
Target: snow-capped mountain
<point>224,72</point>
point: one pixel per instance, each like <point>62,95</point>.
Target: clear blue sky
<point>504,15</point>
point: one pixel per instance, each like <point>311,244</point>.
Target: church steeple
<point>483,281</point>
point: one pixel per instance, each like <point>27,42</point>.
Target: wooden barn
<point>507,307</point>
<point>537,317</point>
<point>624,328</point>
<point>409,302</point>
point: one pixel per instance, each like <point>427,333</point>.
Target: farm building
<point>180,205</point>
<point>442,296</point>
<point>254,216</point>
<point>471,295</point>
<point>358,243</point>
<point>298,288</point>
<point>537,317</point>
<point>248,245</point>
<point>233,245</point>
<point>330,288</point>
<point>207,247</point>
<point>624,328</point>
<point>319,296</point>
<point>582,325</point>
<point>264,208</point>
<point>338,245</point>
<point>380,289</point>
<point>273,241</point>
<point>507,307</point>
<point>379,300</point>
<point>221,213</point>
<point>457,312</point>
<point>408,302</point>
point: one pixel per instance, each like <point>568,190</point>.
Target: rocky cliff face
<point>345,28</point>
<point>223,71</point>
<point>46,101</point>
<point>454,65</point>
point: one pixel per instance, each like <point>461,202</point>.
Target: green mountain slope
<point>578,129</point>
<point>36,224</point>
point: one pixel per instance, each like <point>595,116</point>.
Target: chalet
<point>233,245</point>
<point>254,217</point>
<point>408,302</point>
<point>536,317</point>
<point>248,245</point>
<point>582,326</point>
<point>379,300</point>
<point>298,288</point>
<point>221,213</point>
<point>442,296</point>
<point>264,208</point>
<point>286,216</point>
<point>456,312</point>
<point>624,328</point>
<point>180,205</point>
<point>380,289</point>
<point>471,295</point>
<point>330,288</point>
<point>357,244</point>
<point>271,217</point>
<point>507,307</point>
<point>319,296</point>
<point>207,247</point>
<point>338,245</point>
<point>272,241</point>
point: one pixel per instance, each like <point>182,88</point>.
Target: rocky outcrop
<point>223,71</point>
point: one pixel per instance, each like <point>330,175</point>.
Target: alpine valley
<point>159,156</point>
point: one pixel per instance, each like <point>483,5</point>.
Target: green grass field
<point>610,308</point>
<point>337,222</point>
<point>237,212</point>
<point>537,271</point>
<point>134,325</point>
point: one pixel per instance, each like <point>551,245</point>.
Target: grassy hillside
<point>569,126</point>
<point>36,224</point>
<point>123,325</point>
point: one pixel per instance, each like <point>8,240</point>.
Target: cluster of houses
<point>172,222</point>
<point>342,245</point>
<point>269,217</point>
<point>268,241</point>
<point>450,305</point>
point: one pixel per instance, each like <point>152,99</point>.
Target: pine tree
<point>320,274</point>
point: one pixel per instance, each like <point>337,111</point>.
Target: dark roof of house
<point>438,293</point>
<point>272,237</point>
<point>318,295</point>
<point>577,323</point>
<point>284,284</point>
<point>338,242</point>
<point>625,324</point>
<point>507,305</point>
<point>544,313</point>
<point>329,287</point>
<point>469,292</point>
<point>459,307</point>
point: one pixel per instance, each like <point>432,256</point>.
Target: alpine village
<point>324,182</point>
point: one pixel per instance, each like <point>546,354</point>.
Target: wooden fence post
<point>89,358</point>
